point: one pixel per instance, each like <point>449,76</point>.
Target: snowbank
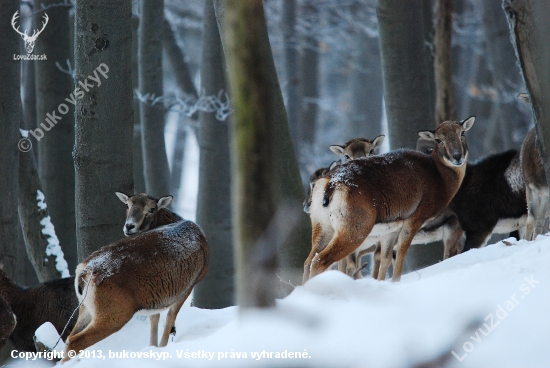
<point>501,292</point>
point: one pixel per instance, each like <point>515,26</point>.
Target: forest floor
<point>484,308</point>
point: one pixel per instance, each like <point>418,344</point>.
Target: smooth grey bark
<point>28,85</point>
<point>216,290</point>
<point>155,162</point>
<point>30,216</point>
<point>292,68</point>
<point>444,102</point>
<point>104,120</point>
<point>139,178</point>
<point>408,91</point>
<point>365,121</point>
<point>55,149</point>
<point>265,173</point>
<point>10,117</point>
<point>502,62</point>
<point>429,33</point>
<point>179,63</point>
<point>309,73</point>
<point>405,72</point>
<point>529,28</point>
<point>184,81</point>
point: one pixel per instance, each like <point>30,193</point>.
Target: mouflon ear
<point>333,165</point>
<point>123,197</point>
<point>377,142</point>
<point>467,124</point>
<point>164,202</point>
<point>427,135</point>
<point>339,150</point>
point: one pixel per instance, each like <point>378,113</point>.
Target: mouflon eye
<point>438,140</point>
<point>371,152</point>
<point>152,210</point>
<point>347,157</point>
<point>462,134</point>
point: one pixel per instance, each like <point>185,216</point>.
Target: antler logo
<point>29,40</point>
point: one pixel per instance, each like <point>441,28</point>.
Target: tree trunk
<point>366,85</point>
<point>139,178</point>
<point>55,148</point>
<point>216,290</point>
<point>444,104</point>
<point>265,169</point>
<point>506,73</point>
<point>293,101</point>
<point>42,244</point>
<point>10,116</point>
<point>309,77</point>
<point>184,80</point>
<point>529,26</point>
<point>104,120</point>
<point>429,33</point>
<point>405,72</point>
<point>28,85</point>
<point>155,162</point>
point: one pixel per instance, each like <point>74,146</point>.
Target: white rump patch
<point>514,176</point>
<point>507,225</point>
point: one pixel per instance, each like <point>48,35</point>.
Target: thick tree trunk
<point>405,71</point>
<point>104,120</point>
<point>42,244</point>
<point>265,169</point>
<point>55,148</point>
<point>10,116</point>
<point>529,26</point>
<point>293,101</point>
<point>309,65</point>
<point>408,92</point>
<point>139,178</point>
<point>155,162</point>
<point>216,290</point>
<point>444,102</point>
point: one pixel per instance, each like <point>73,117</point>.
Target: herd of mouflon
<point>370,203</point>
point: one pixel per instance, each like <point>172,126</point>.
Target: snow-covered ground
<point>489,307</point>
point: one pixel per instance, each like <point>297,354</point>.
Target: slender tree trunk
<point>405,71</point>
<point>216,290</point>
<point>265,168</point>
<point>429,34</point>
<point>445,104</point>
<point>104,120</point>
<point>293,101</point>
<point>28,85</point>
<point>139,178</point>
<point>366,85</point>
<point>55,149</point>
<point>10,116</point>
<point>529,27</point>
<point>309,78</point>
<point>184,80</point>
<point>42,244</point>
<point>502,63</point>
<point>178,61</point>
<point>155,162</point>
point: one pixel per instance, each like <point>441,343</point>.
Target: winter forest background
<point>160,118</point>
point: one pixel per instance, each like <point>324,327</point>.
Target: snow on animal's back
<point>402,167</point>
<point>167,247</point>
